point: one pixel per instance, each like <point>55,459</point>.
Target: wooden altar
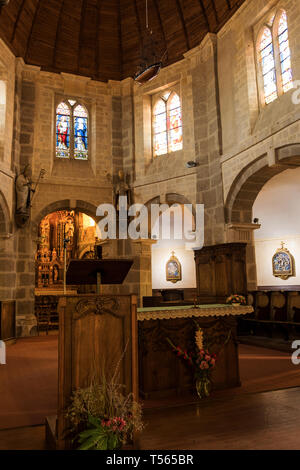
<point>161,372</point>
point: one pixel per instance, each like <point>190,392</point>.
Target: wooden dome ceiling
<point>102,38</point>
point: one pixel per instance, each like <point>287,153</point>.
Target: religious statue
<point>121,188</point>
<point>24,193</point>
<point>55,274</point>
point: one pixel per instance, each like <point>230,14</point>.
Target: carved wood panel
<point>97,333</point>
<point>162,373</point>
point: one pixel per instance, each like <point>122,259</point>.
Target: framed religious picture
<point>173,269</point>
<point>283,263</point>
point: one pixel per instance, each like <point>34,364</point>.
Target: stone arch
<point>250,181</point>
<point>171,198</point>
<point>65,204</point>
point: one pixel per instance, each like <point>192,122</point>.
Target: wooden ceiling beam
<point>57,34</point>
<point>97,56</point>
<point>204,14</point>
<point>17,20</point>
<point>83,10</point>
<point>139,27</point>
<point>120,39</point>
<point>215,11</point>
<point>179,9</point>
<point>160,23</point>
<point>38,6</point>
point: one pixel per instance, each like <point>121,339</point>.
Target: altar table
<point>161,372</point>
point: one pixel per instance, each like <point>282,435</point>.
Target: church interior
<point>149,224</point>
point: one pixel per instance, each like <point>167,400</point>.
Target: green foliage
<point>93,408</point>
<point>97,437</point>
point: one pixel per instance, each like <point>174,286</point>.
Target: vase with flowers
<point>202,362</point>
<point>236,299</point>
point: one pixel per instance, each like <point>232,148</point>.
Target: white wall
<point>278,209</point>
<point>160,258</point>
<point>162,251</point>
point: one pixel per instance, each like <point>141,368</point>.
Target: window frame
<point>65,100</point>
<point>276,52</point>
<point>155,99</point>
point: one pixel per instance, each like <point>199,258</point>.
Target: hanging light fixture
<point>151,65</point>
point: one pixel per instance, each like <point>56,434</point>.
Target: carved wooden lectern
<point>95,333</point>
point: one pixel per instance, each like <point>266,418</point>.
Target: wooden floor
<point>268,420</point>
<point>247,417</point>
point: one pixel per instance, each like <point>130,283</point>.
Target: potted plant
<point>103,417</point>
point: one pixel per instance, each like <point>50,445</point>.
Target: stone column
<point>208,136</point>
<point>26,97</point>
<point>25,272</point>
<point>7,267</point>
<point>243,232</point>
<point>139,278</point>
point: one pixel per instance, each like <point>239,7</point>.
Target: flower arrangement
<point>102,417</point>
<point>201,360</point>
<point>236,299</point>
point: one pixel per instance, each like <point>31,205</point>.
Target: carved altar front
<point>161,372</point>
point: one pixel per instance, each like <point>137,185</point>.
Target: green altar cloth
<point>212,310</point>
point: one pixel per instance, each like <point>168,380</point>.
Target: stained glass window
<point>271,20</point>
<point>268,66</point>
<point>167,124</point>
<point>71,130</point>
<point>174,124</point>
<point>63,130</point>
<point>80,133</point>
<point>275,57</point>
<point>160,141</point>
<point>285,53</point>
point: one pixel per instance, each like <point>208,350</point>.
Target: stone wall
<point>8,241</point>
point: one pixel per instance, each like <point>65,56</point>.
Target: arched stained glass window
<point>275,57</point>
<point>63,114</point>
<point>268,66</point>
<point>167,124</point>
<point>71,130</point>
<point>80,133</point>
<point>285,53</point>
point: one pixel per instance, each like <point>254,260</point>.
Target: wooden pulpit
<point>96,333</point>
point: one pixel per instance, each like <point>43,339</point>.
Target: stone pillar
<point>139,278</point>
<point>208,137</point>
<point>242,232</point>
<point>142,256</point>
<point>25,283</point>
<point>26,96</point>
<point>7,267</point>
